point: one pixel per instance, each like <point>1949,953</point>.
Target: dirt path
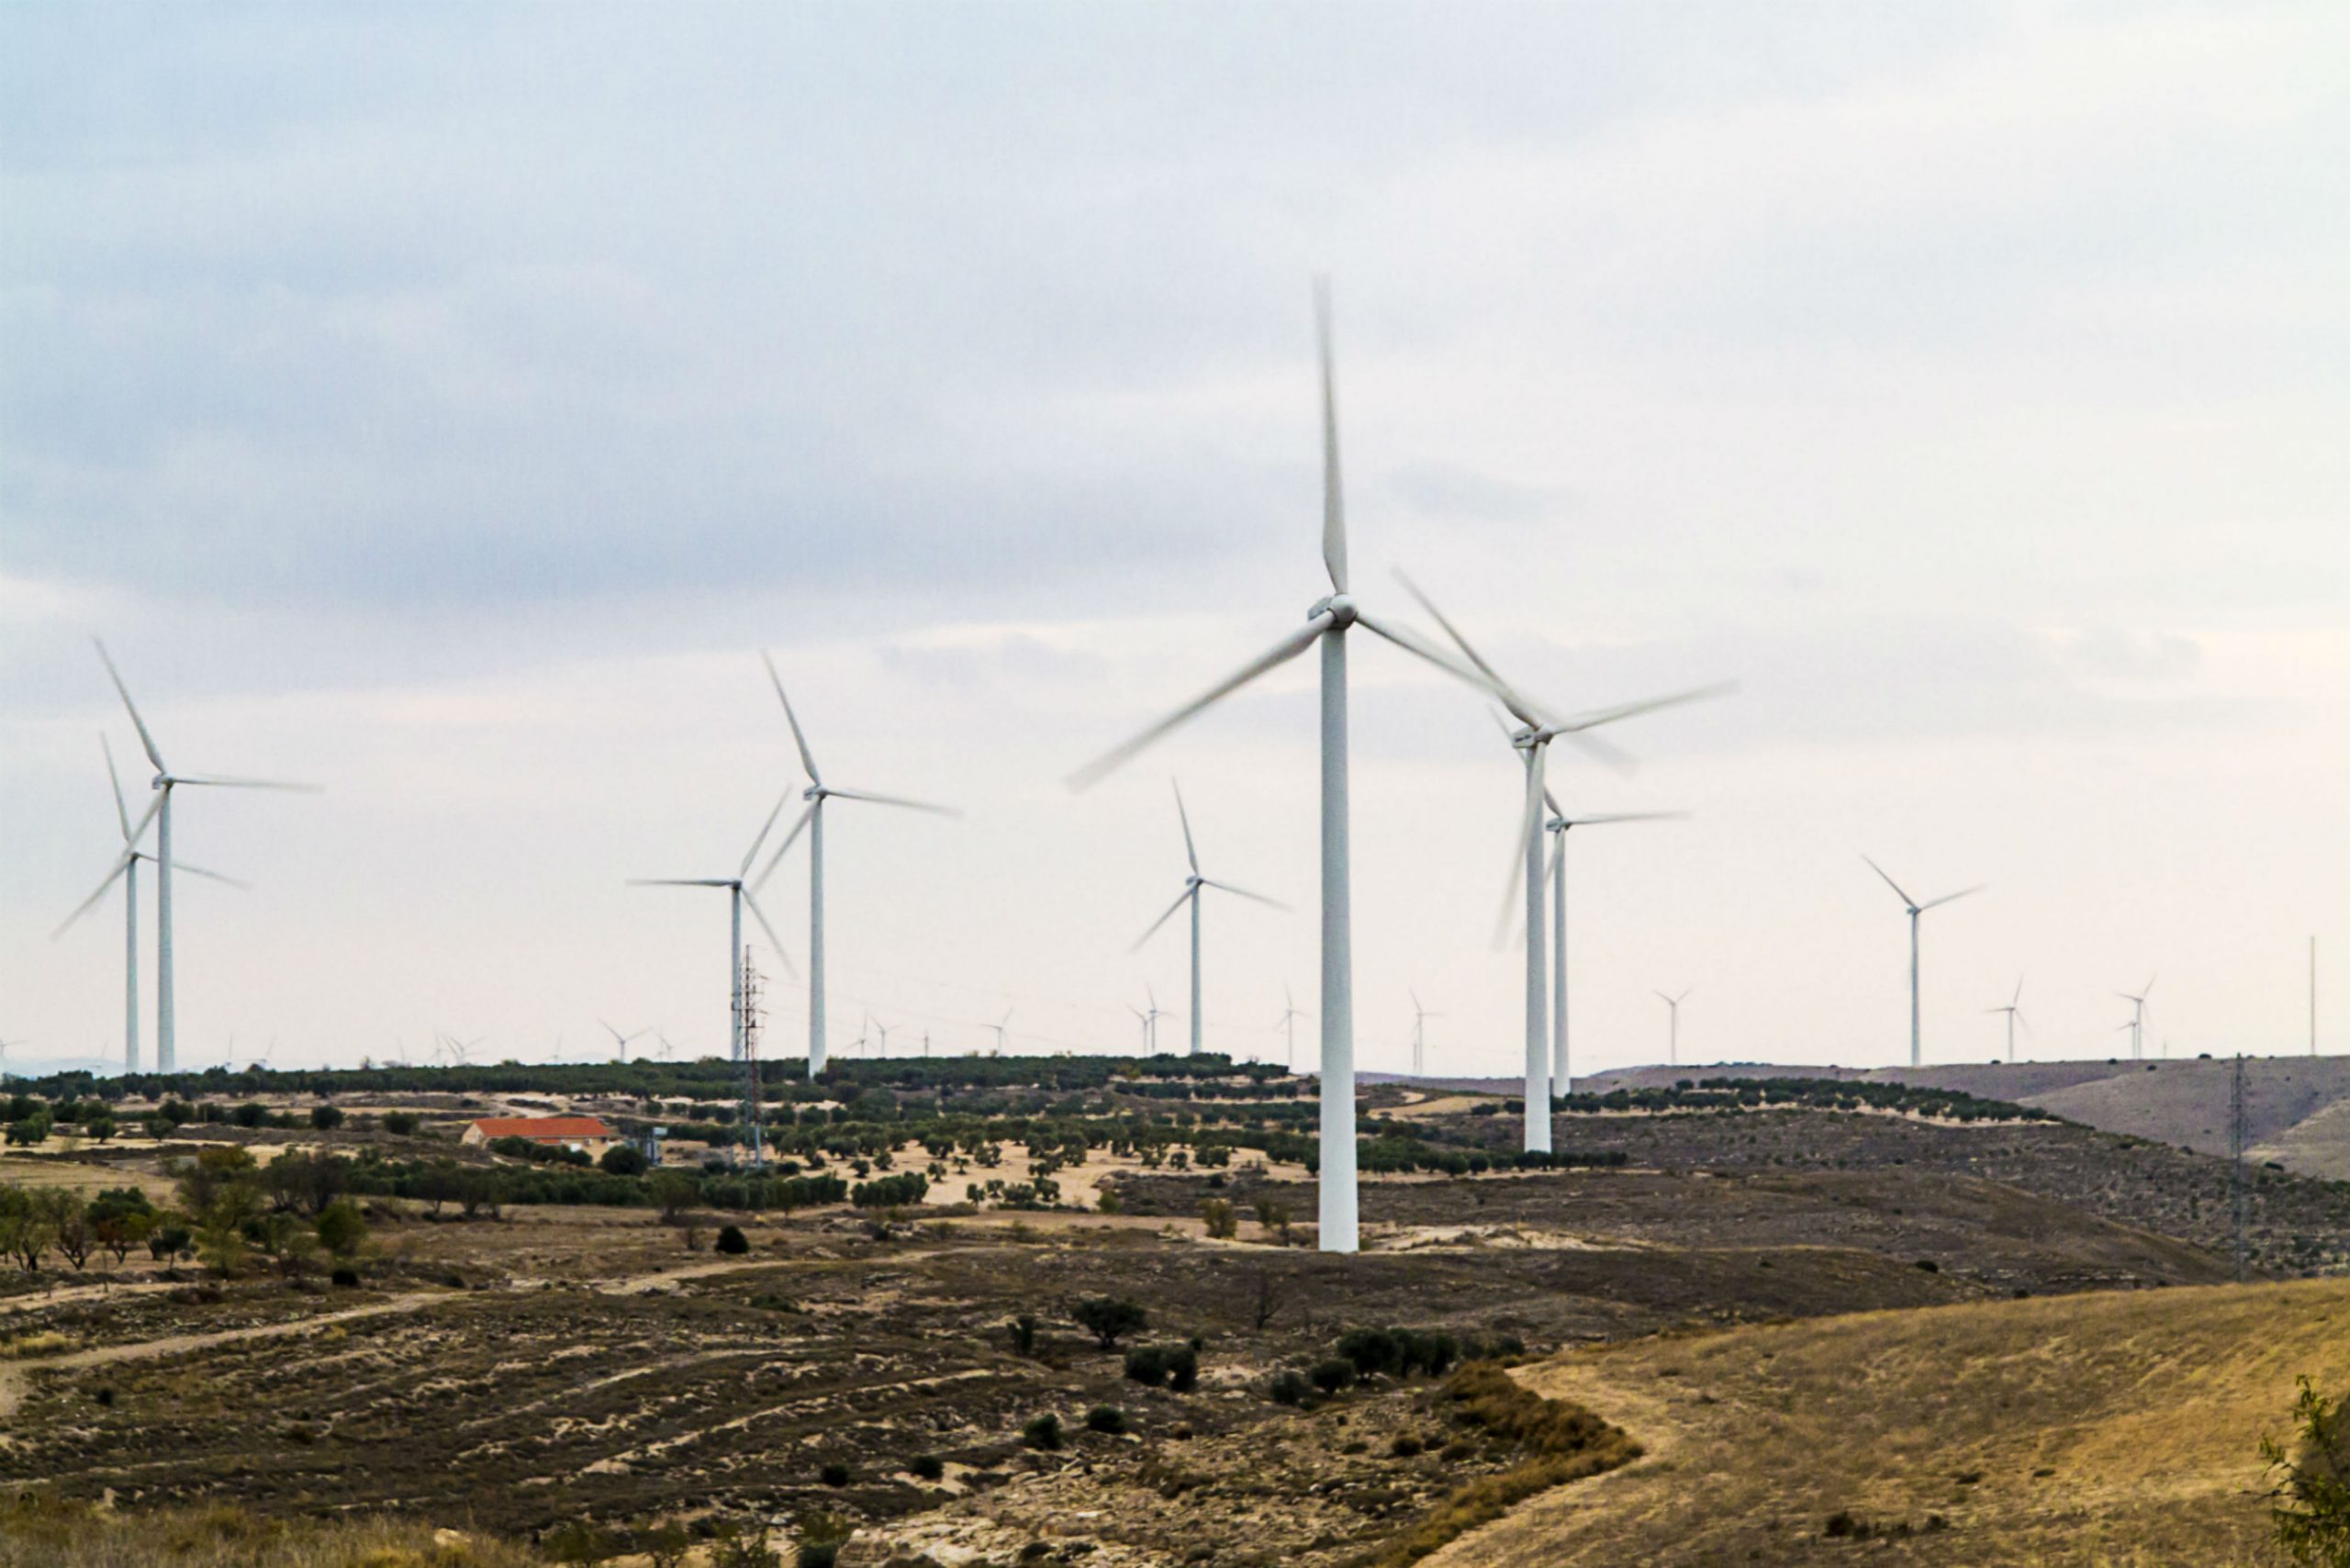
<point>2042,1431</point>
<point>15,1377</point>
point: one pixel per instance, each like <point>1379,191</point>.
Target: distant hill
<point>2297,1109</point>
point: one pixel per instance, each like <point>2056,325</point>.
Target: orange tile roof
<point>542,1127</point>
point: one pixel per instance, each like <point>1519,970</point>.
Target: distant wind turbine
<point>1917,1056</point>
<point>998,1027</point>
<point>2015,1016</point>
<point>1420,1016</point>
<point>1558,827</point>
<point>1328,620</point>
<point>1193,885</point>
<point>2137,1025</point>
<point>620,1041</point>
<point>1673,1026</point>
<point>166,1030</point>
<point>127,867</point>
<point>812,821</point>
<point>739,895</point>
<point>1532,742</point>
<point>1288,1026</point>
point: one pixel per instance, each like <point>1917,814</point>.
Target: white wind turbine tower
<point>166,1031</point>
<point>1558,826</point>
<point>1288,1026</point>
<point>812,821</point>
<point>1673,1026</point>
<point>999,1026</point>
<point>1328,620</point>
<point>739,895</point>
<point>1420,1016</point>
<point>1192,886</point>
<point>126,867</point>
<point>620,1041</point>
<point>1532,741</point>
<point>2137,1025</point>
<point>1917,1058</point>
<point>2014,1010</point>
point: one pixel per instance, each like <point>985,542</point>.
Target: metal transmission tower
<point>2239,1138</point>
<point>746,1030</point>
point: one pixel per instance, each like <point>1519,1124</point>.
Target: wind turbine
<point>1532,741</point>
<point>998,1027</point>
<point>739,895</point>
<point>166,1032</point>
<point>1327,621</point>
<point>1916,908</point>
<point>1673,1026</point>
<point>1558,826</point>
<point>1420,1016</point>
<point>1288,1026</point>
<point>2015,1015</point>
<point>2137,1025</point>
<point>1192,886</point>
<point>812,821</point>
<point>619,1040</point>
<point>1149,1022</point>
<point>127,867</point>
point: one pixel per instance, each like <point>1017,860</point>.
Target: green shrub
<point>1334,1375</point>
<point>1042,1431</point>
<point>929,1467</point>
<point>326,1118</point>
<point>1105,1419</point>
<point>622,1160</point>
<point>1110,1318</point>
<point>1164,1366</point>
<point>402,1123</point>
<point>833,1473</point>
<point>2308,1507</point>
<point>731,1241</point>
<point>1024,1334</point>
<point>1288,1387</point>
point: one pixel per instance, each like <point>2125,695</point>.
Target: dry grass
<point>2082,1431</point>
<point>42,1532</point>
<point>1562,1442</point>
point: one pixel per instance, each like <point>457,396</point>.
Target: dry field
<point>2114,1428</point>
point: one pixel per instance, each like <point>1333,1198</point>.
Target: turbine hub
<point>814,793</point>
<point>1339,607</point>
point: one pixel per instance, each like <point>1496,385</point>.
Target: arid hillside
<point>2294,1106</point>
<point>2116,1428</point>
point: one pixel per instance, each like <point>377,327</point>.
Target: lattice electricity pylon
<point>748,1031</point>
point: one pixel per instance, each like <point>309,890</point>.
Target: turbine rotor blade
<point>1529,823</point>
<point>1646,705</point>
<point>788,840</point>
<point>121,812</point>
<point>897,801</point>
<point>214,875</point>
<point>136,721</point>
<point>765,828</point>
<point>1601,819</point>
<point>1244,892</point>
<point>807,758</point>
<point>680,882</point>
<point>1190,850</point>
<point>121,865</point>
<point>215,781</point>
<point>1906,901</point>
<point>1449,630</point>
<point>1162,920</point>
<point>1334,505</point>
<point>1947,898</point>
<point>781,955</point>
<point>1280,654</point>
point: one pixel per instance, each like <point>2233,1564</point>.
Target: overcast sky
<point>445,404</point>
